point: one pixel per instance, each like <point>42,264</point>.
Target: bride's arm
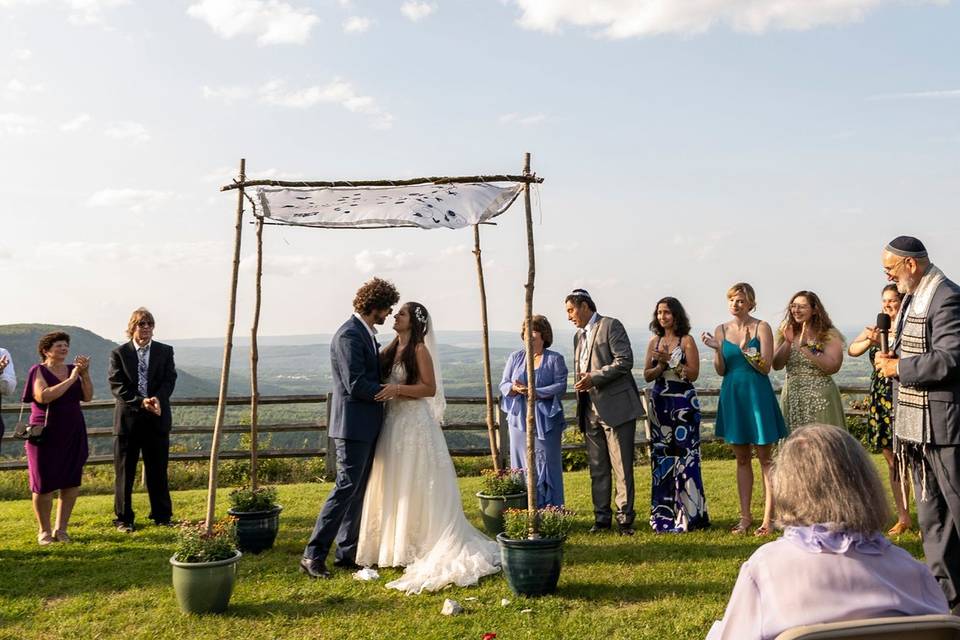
<point>426,386</point>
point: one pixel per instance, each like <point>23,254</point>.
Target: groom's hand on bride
<point>387,392</point>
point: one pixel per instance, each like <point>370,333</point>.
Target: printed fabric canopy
<point>427,206</point>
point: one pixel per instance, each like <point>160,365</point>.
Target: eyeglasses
<point>893,268</point>
<point>799,307</point>
<point>144,324</point>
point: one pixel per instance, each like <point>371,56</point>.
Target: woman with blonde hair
<point>832,563</point>
<point>747,414</point>
<point>811,349</point>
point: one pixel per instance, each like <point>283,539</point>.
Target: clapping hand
<point>788,333</point>
<point>871,334</point>
<point>745,339</point>
<point>709,340</point>
<point>662,356</point>
<point>81,365</point>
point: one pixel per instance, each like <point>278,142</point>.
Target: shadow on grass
<point>606,593</point>
<point>303,607</point>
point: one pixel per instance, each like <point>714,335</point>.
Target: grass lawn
<point>112,585</point>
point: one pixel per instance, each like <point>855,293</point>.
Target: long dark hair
<point>681,323</point>
<point>418,331</point>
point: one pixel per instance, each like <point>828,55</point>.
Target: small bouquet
<point>816,348</point>
<point>753,357</point>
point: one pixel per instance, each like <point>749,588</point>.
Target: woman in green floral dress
<point>811,349</point>
<point>880,420</point>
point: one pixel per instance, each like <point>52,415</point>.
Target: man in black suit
<point>356,417</point>
<point>142,376</point>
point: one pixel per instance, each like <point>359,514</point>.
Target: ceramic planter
<point>256,530</point>
<point>204,587</point>
<point>532,567</point>
<point>492,508</point>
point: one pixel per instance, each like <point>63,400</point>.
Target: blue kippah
<point>907,247</point>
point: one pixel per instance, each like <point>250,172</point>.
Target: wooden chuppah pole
<point>227,352</point>
<point>532,523</point>
<point>487,378</point>
<point>254,362</point>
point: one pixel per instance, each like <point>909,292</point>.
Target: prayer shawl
<point>912,421</point>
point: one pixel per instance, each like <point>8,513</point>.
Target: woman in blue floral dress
<point>677,503</point>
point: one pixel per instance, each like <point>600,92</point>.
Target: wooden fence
<point>319,427</point>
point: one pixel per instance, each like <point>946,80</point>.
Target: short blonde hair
<point>746,290</point>
<point>136,317</point>
<point>823,475</point>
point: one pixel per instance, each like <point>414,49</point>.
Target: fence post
<point>330,456</point>
<point>503,437</point>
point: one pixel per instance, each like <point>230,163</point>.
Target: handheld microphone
<point>883,326</point>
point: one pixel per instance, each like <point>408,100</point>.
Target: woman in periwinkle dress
<point>811,349</point>
<point>677,500</point>
<point>748,415</point>
<point>55,460</point>
<point>551,384</point>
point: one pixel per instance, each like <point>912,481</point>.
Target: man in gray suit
<point>925,362</point>
<point>608,405</point>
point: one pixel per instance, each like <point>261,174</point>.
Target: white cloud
<point>918,95</point>
<point>164,255</point>
<point>290,266</point>
<point>271,21</point>
<point>133,131</point>
<point>417,11</point>
<point>228,95</point>
<point>336,92</point>
<point>133,200</point>
<point>526,120</point>
<point>368,261</point>
<point>6,254</point>
<point>75,124</point>
<point>636,18</point>
<point>700,245</point>
<point>22,55</point>
<point>356,24</point>
<point>88,12</point>
<point>15,89</point>
<point>18,124</point>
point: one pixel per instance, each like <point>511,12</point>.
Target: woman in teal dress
<point>748,416</point>
<point>811,349</point>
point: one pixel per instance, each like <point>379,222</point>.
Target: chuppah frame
<point>240,184</point>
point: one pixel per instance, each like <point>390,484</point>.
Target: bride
<point>412,511</point>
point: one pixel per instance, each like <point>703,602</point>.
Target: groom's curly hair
<point>375,294</point>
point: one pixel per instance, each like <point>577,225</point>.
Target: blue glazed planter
<point>257,530</point>
<point>532,567</point>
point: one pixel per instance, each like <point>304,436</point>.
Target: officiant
<point>925,364</point>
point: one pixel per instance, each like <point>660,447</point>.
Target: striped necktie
<point>142,371</point>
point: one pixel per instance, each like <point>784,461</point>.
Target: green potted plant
<point>499,491</point>
<point>205,566</point>
<point>532,565</point>
<point>258,517</point>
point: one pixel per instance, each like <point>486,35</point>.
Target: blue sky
<point>685,146</point>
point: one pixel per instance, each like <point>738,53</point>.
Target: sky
<point>685,146</point>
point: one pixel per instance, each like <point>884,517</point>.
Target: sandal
<point>762,530</point>
<point>899,529</point>
<point>741,527</point>
<point>44,538</point>
<point>61,536</point>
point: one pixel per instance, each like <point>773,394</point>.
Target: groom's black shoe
<point>347,564</point>
<point>314,568</point>
<point>599,527</point>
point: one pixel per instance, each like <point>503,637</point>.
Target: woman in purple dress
<point>55,458</point>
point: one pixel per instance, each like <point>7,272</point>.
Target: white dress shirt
<point>371,330</point>
<point>585,333</point>
<point>8,379</point>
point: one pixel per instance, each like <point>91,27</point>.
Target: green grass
<point>111,585</point>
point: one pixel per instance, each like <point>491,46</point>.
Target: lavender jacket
<point>810,576</point>
<point>551,384</point>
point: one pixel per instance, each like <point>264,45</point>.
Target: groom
<point>355,421</point>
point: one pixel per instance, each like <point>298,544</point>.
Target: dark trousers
<point>339,520</point>
<point>939,516</point>
<point>154,444</point>
<point>610,452</point>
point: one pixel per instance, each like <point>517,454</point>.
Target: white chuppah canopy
<point>427,206</point>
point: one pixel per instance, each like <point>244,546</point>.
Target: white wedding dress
<point>412,511</point>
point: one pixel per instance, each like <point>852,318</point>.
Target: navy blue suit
<point>355,422</point>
